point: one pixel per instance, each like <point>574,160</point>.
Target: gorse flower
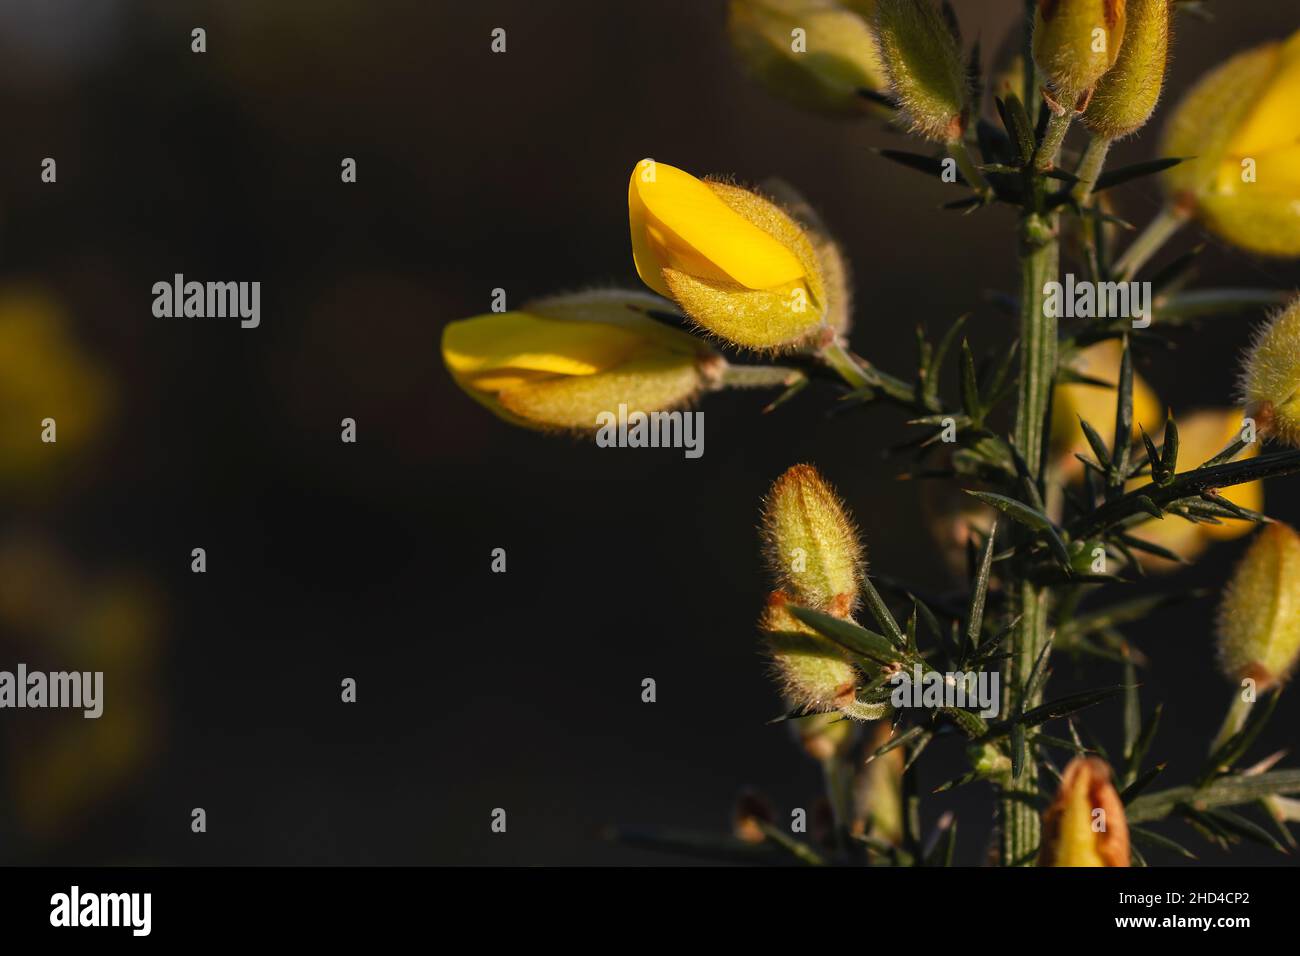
<point>735,262</point>
<point>1259,616</point>
<point>1270,379</point>
<point>1085,825</point>
<point>815,53</point>
<point>558,363</point>
<point>1095,404</point>
<point>926,72</point>
<point>1241,128</point>
<point>1126,95</point>
<point>1075,43</point>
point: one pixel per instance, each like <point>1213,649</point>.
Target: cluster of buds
<point>817,560</point>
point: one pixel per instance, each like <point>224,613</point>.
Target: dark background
<point>371,561</point>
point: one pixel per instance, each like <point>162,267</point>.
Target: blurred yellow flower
<point>1095,404</point>
<point>735,262</point>
<point>1085,825</point>
<point>560,362</point>
<point>816,53</point>
<point>49,388</point>
<point>1241,126</point>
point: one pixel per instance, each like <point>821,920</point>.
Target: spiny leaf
<point>1124,174</point>
<point>1226,791</point>
<point>1153,839</point>
<point>975,618</point>
<point>1071,704</point>
<point>880,611</point>
<point>854,638</point>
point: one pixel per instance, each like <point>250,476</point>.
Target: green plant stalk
<point>1159,230</point>
<point>1050,148</point>
<point>968,168</point>
<point>758,376</point>
<point>1233,720</point>
<point>1090,167</point>
<point>1039,264</point>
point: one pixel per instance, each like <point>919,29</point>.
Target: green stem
<point>758,376</point>
<point>858,373</point>
<point>1159,231</point>
<point>968,168</point>
<point>1050,148</point>
<point>1090,167</point>
<point>1039,264</point>
<point>1233,720</point>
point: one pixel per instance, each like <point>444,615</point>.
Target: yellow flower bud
<point>1075,43</point>
<point>735,262</point>
<point>1270,380</point>
<point>815,53</point>
<point>49,388</point>
<point>1241,127</point>
<point>812,545</point>
<point>1085,825</point>
<point>1095,404</point>
<point>1126,95</point>
<point>559,363</point>
<point>813,673</point>
<point>1259,616</point>
<point>925,68</point>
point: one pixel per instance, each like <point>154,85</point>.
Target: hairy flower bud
<point>1270,379</point>
<point>1259,616</point>
<point>1075,43</point>
<point>1126,96</point>
<point>559,363</point>
<point>814,53</point>
<point>925,68</point>
<point>1241,129</point>
<point>1085,825</point>
<point>813,673</point>
<point>736,263</point>
<point>812,545</point>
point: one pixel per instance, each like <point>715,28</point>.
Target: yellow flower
<point>815,53</point>
<point>559,363</point>
<point>44,375</point>
<point>736,263</point>
<point>1259,617</point>
<point>1270,380</point>
<point>1201,436</point>
<point>926,71</point>
<point>1085,825</point>
<point>1241,125</point>
<point>1126,95</point>
<point>1075,43</point>
<point>1095,404</point>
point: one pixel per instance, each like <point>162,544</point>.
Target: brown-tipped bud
<point>1270,379</point>
<point>924,63</point>
<point>1259,616</point>
<point>1085,825</point>
<point>1126,95</point>
<point>812,545</point>
<point>1075,43</point>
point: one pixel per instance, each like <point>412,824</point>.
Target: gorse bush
<point>1092,484</point>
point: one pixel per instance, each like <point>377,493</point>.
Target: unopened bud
<point>925,68</point>
<point>1259,616</point>
<point>1075,43</point>
<point>1126,96</point>
<point>1270,379</point>
<point>812,545</point>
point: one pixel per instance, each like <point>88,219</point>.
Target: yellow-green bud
<point>813,53</point>
<point>1259,617</point>
<point>1126,96</point>
<point>1270,380</point>
<point>812,545</point>
<point>812,671</point>
<point>1085,825</point>
<point>1075,43</point>
<point>925,68</point>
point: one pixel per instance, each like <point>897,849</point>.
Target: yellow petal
<point>519,342</point>
<point>1096,404</point>
<point>1275,119</point>
<point>678,222</point>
